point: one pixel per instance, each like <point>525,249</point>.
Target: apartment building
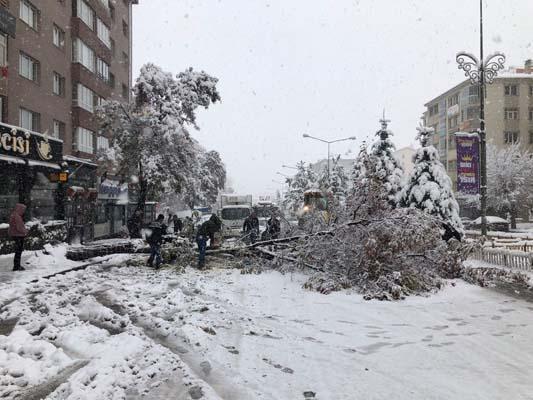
<point>508,113</point>
<point>59,59</point>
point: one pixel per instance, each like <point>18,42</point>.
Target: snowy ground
<point>132,333</point>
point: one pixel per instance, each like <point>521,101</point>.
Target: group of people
<point>250,228</point>
<point>206,231</point>
<point>158,229</point>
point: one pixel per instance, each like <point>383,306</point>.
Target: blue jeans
<point>201,241</point>
<point>155,253</point>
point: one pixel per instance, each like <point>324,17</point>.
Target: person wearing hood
<point>17,231</point>
<point>206,231</point>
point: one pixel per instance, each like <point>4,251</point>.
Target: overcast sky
<point>323,67</point>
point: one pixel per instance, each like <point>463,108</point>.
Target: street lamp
<point>305,135</point>
<point>481,72</point>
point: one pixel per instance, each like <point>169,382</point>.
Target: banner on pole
<point>467,163</point>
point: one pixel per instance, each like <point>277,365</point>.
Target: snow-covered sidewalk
<point>108,333</point>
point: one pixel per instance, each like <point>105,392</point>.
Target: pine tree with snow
<point>429,188</point>
<point>389,171</point>
<point>360,166</point>
<point>338,180</point>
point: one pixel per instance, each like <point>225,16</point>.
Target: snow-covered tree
<point>336,182</point>
<point>150,140</point>
<point>360,165</point>
<point>304,179</point>
<point>509,179</point>
<point>389,171</point>
<point>429,188</point>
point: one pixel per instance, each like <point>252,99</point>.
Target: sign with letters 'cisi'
<point>18,142</point>
<point>467,163</point>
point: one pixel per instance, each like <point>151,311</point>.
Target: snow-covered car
<point>493,224</point>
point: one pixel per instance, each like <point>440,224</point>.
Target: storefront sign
<point>467,163</point>
<point>110,189</point>
<point>17,142</point>
<point>8,23</point>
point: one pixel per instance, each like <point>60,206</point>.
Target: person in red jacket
<point>17,230</point>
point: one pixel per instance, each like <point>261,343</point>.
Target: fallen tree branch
<point>272,254</point>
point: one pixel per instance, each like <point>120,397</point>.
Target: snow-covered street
<point>130,332</point>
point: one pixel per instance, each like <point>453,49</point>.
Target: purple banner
<point>467,163</point>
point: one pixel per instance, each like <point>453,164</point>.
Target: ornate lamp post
<point>481,72</point>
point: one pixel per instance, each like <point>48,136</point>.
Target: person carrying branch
<point>207,232</point>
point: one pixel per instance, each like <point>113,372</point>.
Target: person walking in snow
<point>155,239</point>
<point>207,231</point>
<point>251,227</point>
<point>17,231</point>
<point>178,224</point>
<point>273,227</point>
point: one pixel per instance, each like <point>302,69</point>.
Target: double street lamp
<point>305,135</point>
<point>481,72</point>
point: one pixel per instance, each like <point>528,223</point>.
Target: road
<point>133,333</point>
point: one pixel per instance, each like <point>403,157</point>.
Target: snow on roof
<point>466,134</point>
<point>79,160</point>
<point>237,206</point>
<point>37,163</point>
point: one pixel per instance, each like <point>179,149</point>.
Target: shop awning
<point>35,163</point>
<point>15,160</point>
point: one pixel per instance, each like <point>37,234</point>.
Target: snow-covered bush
<point>429,187</point>
<point>38,236</point>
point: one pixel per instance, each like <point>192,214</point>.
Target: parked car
<point>493,224</point>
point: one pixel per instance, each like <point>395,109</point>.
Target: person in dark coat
<point>178,224</point>
<point>273,227</point>
<point>155,239</point>
<point>251,227</point>
<point>450,232</point>
<point>207,231</point>
<point>17,231</point>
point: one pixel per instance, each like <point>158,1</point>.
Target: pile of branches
<point>394,255</point>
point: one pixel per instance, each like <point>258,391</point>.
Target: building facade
<point>508,114</point>
<point>59,59</point>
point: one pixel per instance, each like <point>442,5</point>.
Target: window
<point>473,90</point>
<point>3,50</point>
<point>530,137</point>
<point>453,100</point>
<point>531,114</point>
<point>451,142</point>
<point>125,28</point>
<point>453,122</point>
<point>125,92</point>
<point>84,55</point>
<point>103,32</point>
<point>84,140</point>
<point>102,143</point>
<point>28,67</point>
<point>111,80</point>
<point>472,113</point>
<point>511,90</point>
<point>29,120</point>
<point>452,166</point>
<point>85,98</point>
<point>99,101</point>
<point>59,85</point>
<point>530,90</point>
<point>511,113</point>
<point>433,110</point>
<point>86,14</point>
<point>58,130</point>
<point>511,137</point>
<point>102,69</point>
<point>58,37</point>
<point>28,13</point>
<point>112,46</point>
